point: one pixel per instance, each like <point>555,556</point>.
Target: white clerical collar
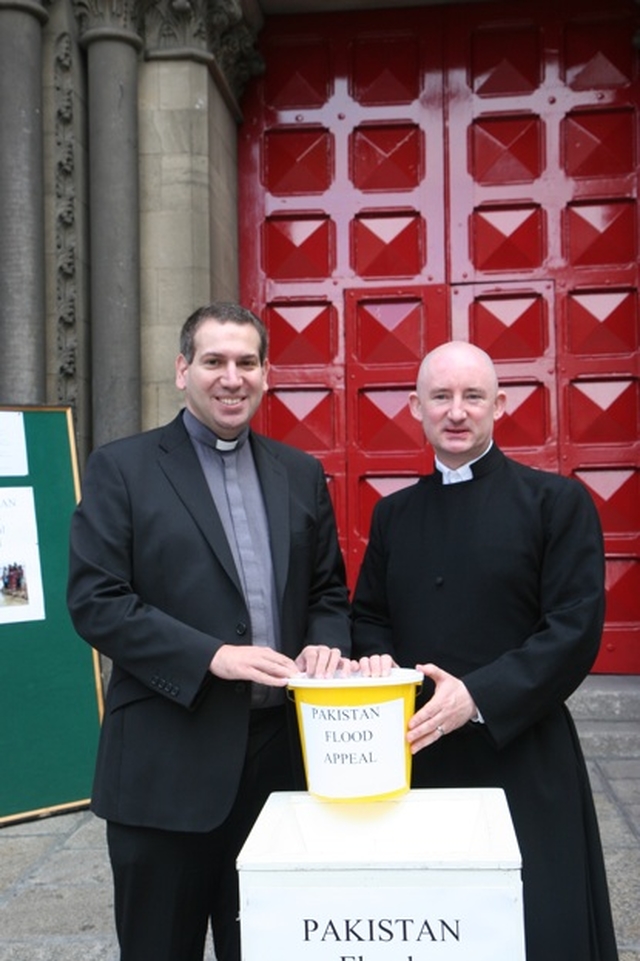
<point>205,435</point>
<point>460,474</point>
<point>226,445</point>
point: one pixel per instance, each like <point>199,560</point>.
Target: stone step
<point>610,740</point>
<point>607,697</point>
<point>606,709</point>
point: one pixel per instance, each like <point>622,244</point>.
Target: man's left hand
<point>317,660</point>
<point>449,708</point>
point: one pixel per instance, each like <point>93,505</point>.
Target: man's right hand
<point>232,662</point>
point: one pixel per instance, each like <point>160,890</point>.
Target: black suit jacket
<point>153,586</point>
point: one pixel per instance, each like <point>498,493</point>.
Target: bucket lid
<point>398,675</point>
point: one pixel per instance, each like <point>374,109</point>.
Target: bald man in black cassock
<point>489,576</point>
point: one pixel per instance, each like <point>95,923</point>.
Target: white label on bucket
<point>355,751</point>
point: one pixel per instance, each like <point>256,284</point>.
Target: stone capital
<point>33,7</point>
<point>211,31</point>
<point>233,46</point>
<point>108,19</point>
<point>175,29</point>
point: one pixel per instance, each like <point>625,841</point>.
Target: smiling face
<point>225,381</point>
<point>457,400</point>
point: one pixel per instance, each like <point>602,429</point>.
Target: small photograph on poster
<point>21,591</point>
<point>13,444</point>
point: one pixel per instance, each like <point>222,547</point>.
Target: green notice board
<point>51,699</point>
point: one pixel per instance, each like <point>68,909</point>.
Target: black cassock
<point>500,581</point>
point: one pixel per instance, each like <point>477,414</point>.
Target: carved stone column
<point>22,288</point>
<point>188,167</point>
<point>108,30</point>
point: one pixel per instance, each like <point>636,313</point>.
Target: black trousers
<point>169,886</point>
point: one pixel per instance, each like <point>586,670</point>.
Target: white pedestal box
<point>433,875</point>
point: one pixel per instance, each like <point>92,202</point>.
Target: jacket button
<point>241,628</point>
<point>439,580</point>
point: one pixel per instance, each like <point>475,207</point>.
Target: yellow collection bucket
<point>353,734</point>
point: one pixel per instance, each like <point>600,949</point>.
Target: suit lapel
<point>274,481</point>
<point>181,466</point>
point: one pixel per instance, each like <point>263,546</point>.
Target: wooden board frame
<point>52,700</point>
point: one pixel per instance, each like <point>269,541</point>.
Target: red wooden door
<point>413,175</point>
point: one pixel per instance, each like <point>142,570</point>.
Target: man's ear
<point>181,369</point>
<point>415,406</point>
<point>500,404</point>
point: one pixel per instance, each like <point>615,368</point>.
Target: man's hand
<point>450,707</point>
<point>317,660</point>
<point>375,665</point>
<point>233,662</point>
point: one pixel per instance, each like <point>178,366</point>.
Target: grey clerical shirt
<point>231,475</point>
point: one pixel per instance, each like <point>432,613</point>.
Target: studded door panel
<point>542,114</point>
<point>412,175</point>
<point>341,170</point>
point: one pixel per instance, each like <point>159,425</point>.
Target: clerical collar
<point>203,434</point>
<point>460,474</point>
<point>226,445</point>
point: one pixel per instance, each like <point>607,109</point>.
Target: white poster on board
<point>13,444</point>
<point>21,591</point>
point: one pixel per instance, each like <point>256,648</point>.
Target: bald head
<point>457,354</point>
<point>457,399</point>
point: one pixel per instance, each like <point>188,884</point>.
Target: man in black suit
<point>489,577</point>
<point>205,564</point>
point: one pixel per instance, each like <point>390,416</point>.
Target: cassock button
<point>439,580</point>
<point>241,628</point>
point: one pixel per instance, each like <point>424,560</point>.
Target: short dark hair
<point>224,312</point>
